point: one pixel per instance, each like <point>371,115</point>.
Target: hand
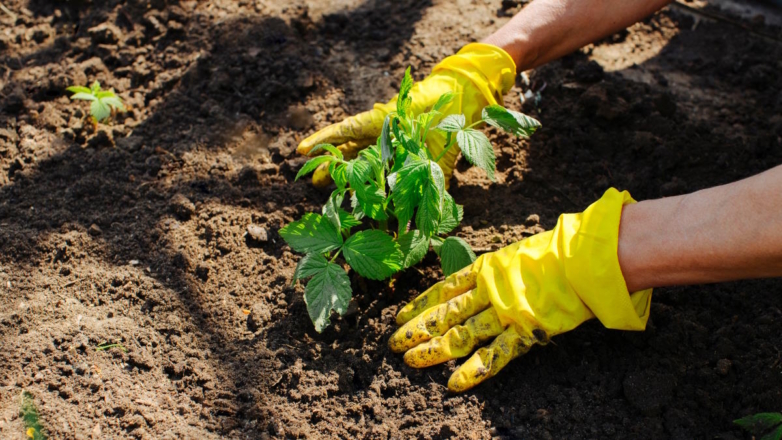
<point>480,74</point>
<point>524,294</point>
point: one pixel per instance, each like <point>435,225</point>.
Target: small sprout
<point>104,103</point>
<point>764,426</point>
<point>107,346</point>
<point>31,418</point>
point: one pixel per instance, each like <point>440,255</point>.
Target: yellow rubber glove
<point>524,294</point>
<point>480,74</point>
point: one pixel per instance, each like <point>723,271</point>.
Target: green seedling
<point>399,207</point>
<point>763,426</point>
<point>103,103</point>
<point>106,346</point>
<point>31,418</point>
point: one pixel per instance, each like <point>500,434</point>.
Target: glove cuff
<point>490,68</point>
<point>592,268</point>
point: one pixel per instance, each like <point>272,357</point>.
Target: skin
<point>725,233</point>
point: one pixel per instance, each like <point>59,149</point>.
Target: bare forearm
<point>718,234</point>
<point>548,29</point>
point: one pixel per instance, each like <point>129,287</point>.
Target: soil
<point>158,231</point>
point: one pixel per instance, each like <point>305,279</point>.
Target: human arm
<point>723,233</point>
<point>549,29</point>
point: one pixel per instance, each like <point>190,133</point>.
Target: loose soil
<point>136,232</point>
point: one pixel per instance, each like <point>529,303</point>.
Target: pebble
<point>257,233</point>
<point>532,220</point>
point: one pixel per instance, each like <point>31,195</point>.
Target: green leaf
<point>759,423</point>
<point>373,254</point>
<point>437,243</point>
<point>370,199</point>
<point>408,143</point>
<point>408,190</point>
<point>452,123</point>
<point>114,102</point>
<point>347,220</point>
<point>509,120</point>
<point>357,212</point>
<point>84,97</point>
<point>455,255</point>
<point>427,218</point>
<point>312,164</point>
<point>477,149</point>
<point>79,89</point>
<point>776,434</point>
<point>452,215</point>
<point>311,233</point>
<point>309,265</point>
<point>100,110</point>
<point>386,146</point>
<point>404,101</point>
<point>95,87</point>
<point>358,172</point>
<point>414,245</point>
<point>328,147</point>
<point>328,289</point>
<point>443,100</point>
<point>331,208</point>
<point>338,173</point>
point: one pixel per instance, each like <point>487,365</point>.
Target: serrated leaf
<point>373,254</point>
<point>391,179</point>
<point>452,123</point>
<point>386,145</point>
<point>347,220</point>
<point>430,209</point>
<point>759,423</point>
<point>358,172</point>
<point>331,208</point>
<point>114,102</point>
<point>455,255</point>
<point>328,147</point>
<point>477,149</point>
<point>100,110</point>
<point>408,190</point>
<point>79,89</point>
<point>371,199</point>
<point>328,290</point>
<point>443,101</point>
<point>338,173</point>
<point>312,164</point>
<point>437,243</point>
<point>84,96</point>
<point>311,233</point>
<point>309,265</point>
<point>408,144</point>
<point>776,434</point>
<point>357,212</point>
<point>404,100</point>
<point>414,245</point>
<point>95,87</point>
<point>452,215</point>
<point>511,121</point>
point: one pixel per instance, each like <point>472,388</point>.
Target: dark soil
<point>136,233</point>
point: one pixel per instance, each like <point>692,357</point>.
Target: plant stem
<point>474,124</point>
<point>335,256</point>
<point>445,150</point>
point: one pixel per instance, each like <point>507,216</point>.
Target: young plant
<point>31,418</point>
<point>763,426</point>
<point>397,189</point>
<point>104,103</point>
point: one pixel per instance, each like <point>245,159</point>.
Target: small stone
<point>496,238</point>
<point>94,230</point>
<point>182,207</point>
<point>723,367</point>
<point>532,220</point>
<point>257,233</point>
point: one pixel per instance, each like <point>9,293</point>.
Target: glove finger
<point>366,125</point>
<point>321,177</point>
<point>437,320</point>
<point>456,284</point>
<point>458,342</point>
<point>489,360</point>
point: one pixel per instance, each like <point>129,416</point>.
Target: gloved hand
<point>524,294</point>
<point>480,74</point>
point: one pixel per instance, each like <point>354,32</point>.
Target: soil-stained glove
<point>480,74</point>
<point>524,294</point>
